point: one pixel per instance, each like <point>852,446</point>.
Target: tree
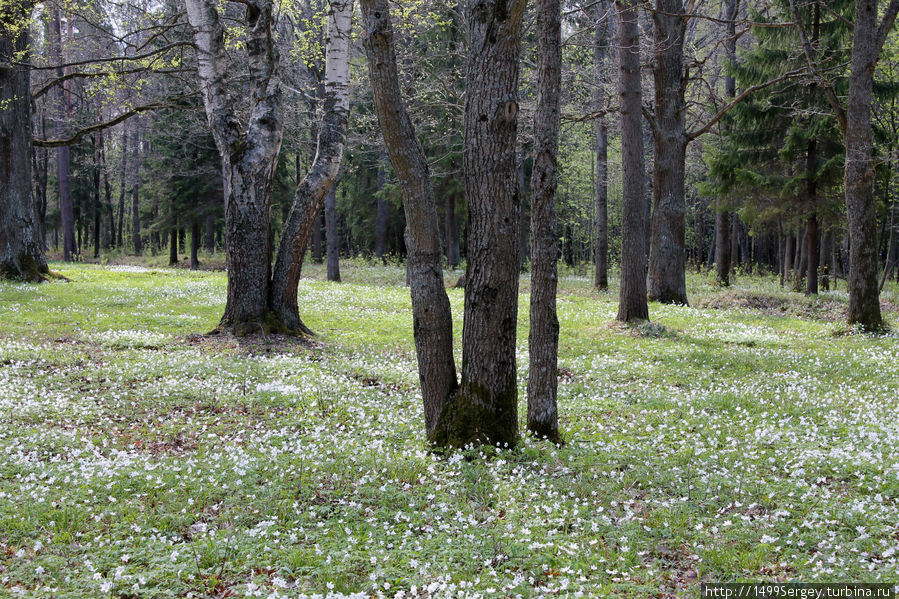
<point>21,244</point>
<point>600,52</point>
<point>722,215</point>
<point>634,205</point>
<point>249,153</point>
<point>868,40</point>
<point>311,192</point>
<point>543,340</point>
<point>483,409</point>
<point>432,318</point>
<point>666,281</point>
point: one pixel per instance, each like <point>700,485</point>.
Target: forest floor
<point>750,436</point>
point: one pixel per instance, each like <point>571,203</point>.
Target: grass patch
<point>720,441</point>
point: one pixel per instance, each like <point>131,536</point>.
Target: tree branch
<point>739,98</point>
<point>55,143</point>
<point>889,18</point>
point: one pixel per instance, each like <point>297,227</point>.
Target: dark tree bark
<point>210,234</point>
<point>634,203</point>
<point>21,246</point>
<point>452,232</point>
<point>600,53</point>
<point>249,154</point>
<point>667,281</point>
<point>194,245</point>
<point>332,235</point>
<point>318,238</point>
<point>311,192</point>
<point>173,244</point>
<point>788,257</point>
<point>722,247</point>
<point>432,318</point>
<point>485,409</point>
<point>864,295</point>
<point>543,340</point>
<point>381,210</point>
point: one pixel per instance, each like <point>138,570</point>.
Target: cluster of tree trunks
<point>260,299</point>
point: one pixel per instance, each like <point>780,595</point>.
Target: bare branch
<point>55,143</point>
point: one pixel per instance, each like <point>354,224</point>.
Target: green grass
<point>748,437</point>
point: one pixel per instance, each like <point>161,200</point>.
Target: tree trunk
<point>452,232</point>
<point>63,167</point>
<point>600,52</point>
<point>788,257</point>
<point>432,319</point>
<point>332,235</point>
<point>800,259</point>
<point>824,252</point>
<point>210,234</point>
<point>667,281</point>
<point>634,205</point>
<point>318,238</point>
<point>135,192</point>
<point>173,244</point>
<point>194,245</point>
<point>249,154</point>
<point>381,208</point>
<point>812,251</point>
<point>543,340</point>
<point>21,246</point>
<point>485,409</point>
<point>109,237</point>
<point>311,192</point>
<point>864,295</point>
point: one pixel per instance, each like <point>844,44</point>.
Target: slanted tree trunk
<point>868,39</point>
<point>634,203</point>
<point>432,318</point>
<point>667,281</point>
<point>21,245</point>
<point>600,52</point>
<point>249,154</point>
<point>543,340</point>
<point>332,235</point>
<point>381,210</point>
<point>311,192</point>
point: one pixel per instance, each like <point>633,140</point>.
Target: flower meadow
<point>721,442</point>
